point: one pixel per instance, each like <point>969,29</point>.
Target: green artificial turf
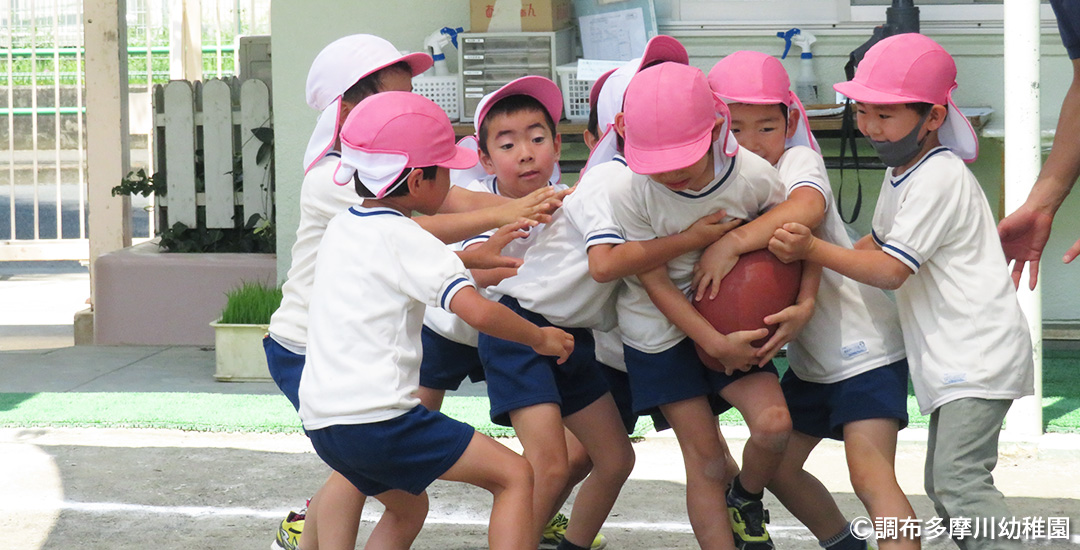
<point>213,412</point>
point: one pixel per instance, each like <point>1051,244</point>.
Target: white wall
<point>301,29</point>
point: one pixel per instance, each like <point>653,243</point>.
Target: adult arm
<point>1024,233</point>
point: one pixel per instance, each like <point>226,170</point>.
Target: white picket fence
<point>217,117</point>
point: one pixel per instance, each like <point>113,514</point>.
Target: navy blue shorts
<point>446,362</point>
<point>821,410</point>
<point>407,452</point>
<point>676,374</point>
<point>285,368</point>
<point>619,384</point>
<point>517,377</point>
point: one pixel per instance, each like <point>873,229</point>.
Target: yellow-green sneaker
<point>555,532</point>
<point>748,519</point>
<point>288,533</point>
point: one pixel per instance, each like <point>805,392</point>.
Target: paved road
<point>108,488</point>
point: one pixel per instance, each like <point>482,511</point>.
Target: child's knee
<point>771,429</point>
<point>579,464</point>
<point>550,468</point>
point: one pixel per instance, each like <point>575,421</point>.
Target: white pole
<point>107,153</point>
<point>1023,159</point>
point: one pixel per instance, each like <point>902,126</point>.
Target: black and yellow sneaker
<point>555,532</point>
<point>288,533</point>
<point>748,519</point>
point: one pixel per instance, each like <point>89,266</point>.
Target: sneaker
<point>288,533</point>
<point>555,532</point>
<point>748,519</point>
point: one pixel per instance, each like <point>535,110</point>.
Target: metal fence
<point>42,110</point>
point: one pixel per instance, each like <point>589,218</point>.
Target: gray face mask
<point>903,150</point>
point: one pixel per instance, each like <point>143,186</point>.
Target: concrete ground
<point>140,488</point>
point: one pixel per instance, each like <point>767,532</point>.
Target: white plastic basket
<point>575,93</point>
<point>443,90</point>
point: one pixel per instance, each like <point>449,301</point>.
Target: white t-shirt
<point>855,327</point>
<point>745,186</point>
<point>376,272</point>
<point>320,200</point>
<point>451,326</point>
<point>554,281</point>
<point>963,328</point>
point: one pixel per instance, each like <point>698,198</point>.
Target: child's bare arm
<point>792,319</point>
<point>456,226</point>
<point>868,266</point>
<point>804,205</point>
<point>733,350</point>
<point>499,321</point>
<point>609,262</point>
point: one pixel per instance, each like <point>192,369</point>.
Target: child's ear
<point>620,125</point>
<point>557,142</point>
<point>590,140</point>
<point>793,117</point>
<point>936,118</point>
<point>486,162</point>
<point>415,181</point>
<point>718,128</point>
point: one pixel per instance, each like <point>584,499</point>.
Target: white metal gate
<point>42,127</point>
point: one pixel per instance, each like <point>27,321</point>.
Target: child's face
<point>521,151</point>
<point>885,122</point>
<point>693,177</point>
<point>762,129</point>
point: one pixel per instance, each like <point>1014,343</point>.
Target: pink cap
<point>760,79</point>
<point>391,131</point>
<point>668,113</point>
<point>336,68</point>
<point>537,87</point>
<point>609,92</point>
<point>912,68</point>
<point>661,48</point>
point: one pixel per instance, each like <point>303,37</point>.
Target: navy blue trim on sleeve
<point>902,253</point>
<point>457,282</point>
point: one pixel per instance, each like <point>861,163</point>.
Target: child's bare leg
<point>803,494</point>
<point>731,467</point>
<point>488,464</point>
<point>699,439</point>
<point>579,465</point>
<point>758,397</point>
<point>431,398</point>
<point>540,430</point>
<point>333,516</point>
<point>870,446</point>
<point>400,522</point>
<point>599,429</point>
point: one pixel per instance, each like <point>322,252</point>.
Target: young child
<point>684,165</point>
<point>848,375</point>
<point>935,244</point>
<point>554,285</point>
<point>519,150</point>
<point>376,271</point>
<point>344,73</point>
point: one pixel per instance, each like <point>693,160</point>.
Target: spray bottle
<point>806,83</point>
<point>436,41</point>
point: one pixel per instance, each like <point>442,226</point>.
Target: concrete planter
<point>239,353</point>
<point>146,297</point>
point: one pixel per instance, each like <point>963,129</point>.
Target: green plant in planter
<point>250,304</point>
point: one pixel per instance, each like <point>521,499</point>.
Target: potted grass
<point>239,332</point>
